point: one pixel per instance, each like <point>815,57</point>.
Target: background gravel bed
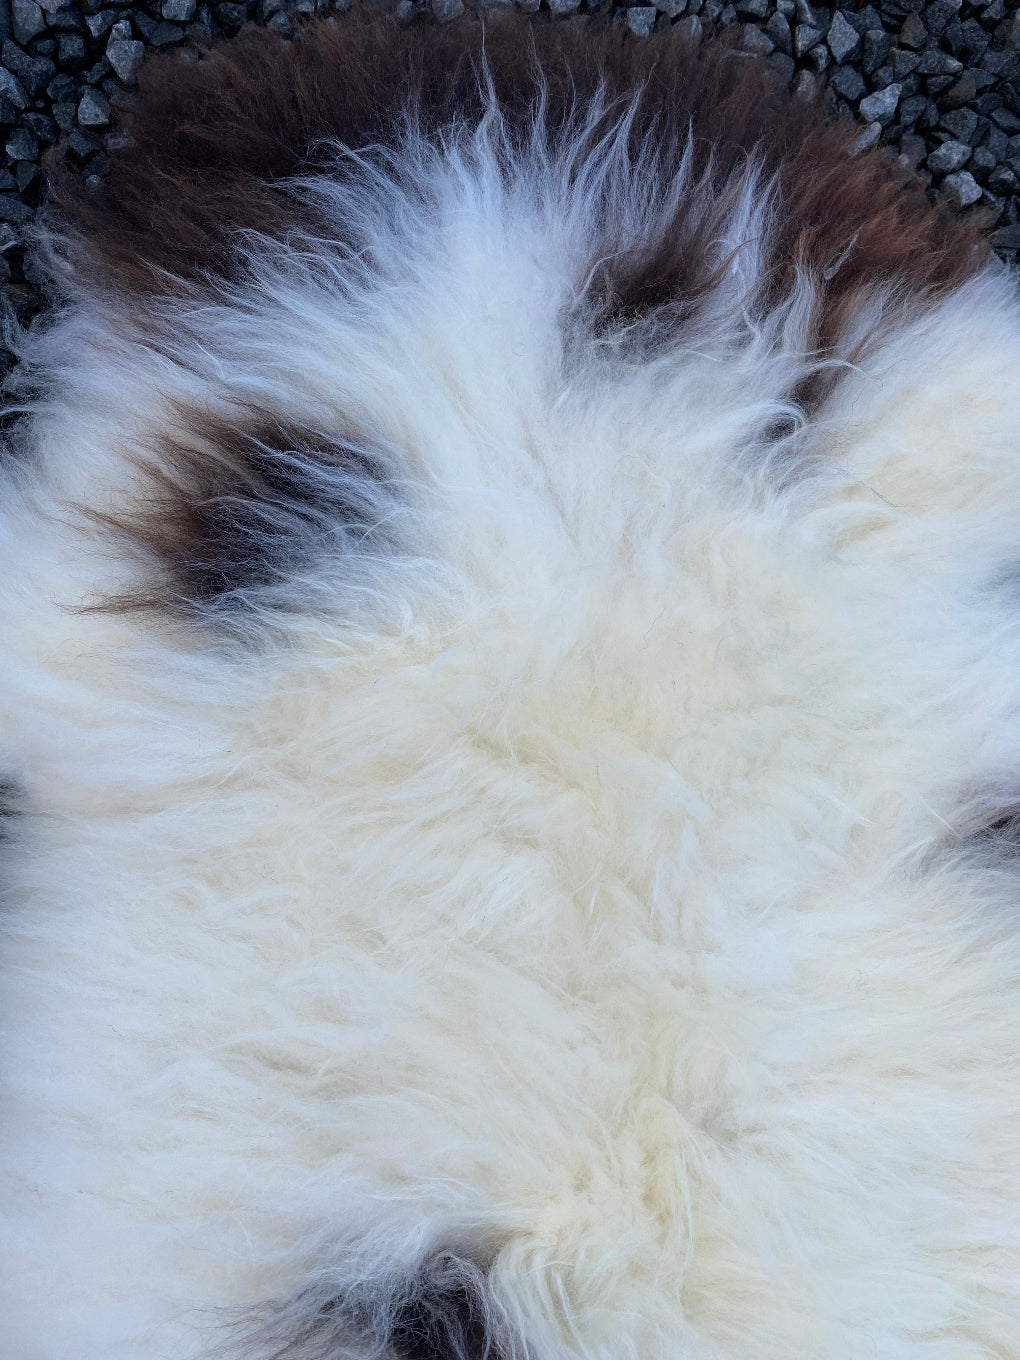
<point>940,82</point>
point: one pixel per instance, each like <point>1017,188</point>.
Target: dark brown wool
<point>215,138</point>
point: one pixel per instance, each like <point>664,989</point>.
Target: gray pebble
<point>12,88</point>
<point>12,209</point>
<point>94,110</point>
<point>100,24</point>
<point>805,85</point>
<point>948,157</point>
<point>22,145</point>
<point>848,82</point>
<point>865,139</point>
<point>690,28</point>
<point>27,19</point>
<point>65,115</point>
<point>125,57</point>
<point>818,58</point>
<point>671,8</point>
<point>912,150</point>
<point>961,189</point>
<point>754,40</point>
<point>844,41</point>
<point>778,31</point>
<point>935,62</point>
<point>641,20</point>
<point>880,107</point>
<point>913,33</point>
<point>804,38</point>
<point>181,11</point>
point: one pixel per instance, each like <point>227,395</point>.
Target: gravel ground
<point>940,82</point>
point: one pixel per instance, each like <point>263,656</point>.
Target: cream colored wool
<point>585,867</point>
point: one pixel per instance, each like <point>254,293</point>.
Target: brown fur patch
<point>236,505</point>
<point>215,137</point>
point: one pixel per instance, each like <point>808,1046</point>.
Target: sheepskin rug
<point>510,677</point>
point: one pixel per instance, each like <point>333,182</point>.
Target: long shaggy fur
<point>511,726</point>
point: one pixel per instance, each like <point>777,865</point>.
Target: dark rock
<point>912,150</point>
<point>996,141</point>
<point>99,25</point>
<point>868,138</point>
<point>144,23</point>
<point>938,16</point>
<point>279,23</point>
<point>777,30</point>
<point>167,35</point>
<point>848,82</point>
<point>42,47</point>
<point>752,39</point>
<point>960,124</point>
<point>71,52</point>
<point>1007,238</point>
<point>843,40</point>
<point>948,157</point>
<point>94,110</point>
<point>28,180</point>
<point>125,58</point>
<point>95,75</point>
<point>961,189</point>
<point>230,15</point>
<point>817,59</point>
<point>22,145</point>
<point>27,21</point>
<point>12,89</point>
<point>179,11</point>
<point>804,38</point>
<point>753,9</point>
<point>690,27</point>
<point>8,113</point>
<point>881,106</point>
<point>875,50</point>
<point>903,61</point>
<point>641,20</point>
<point>80,147</point>
<point>44,128</point>
<point>961,92</point>
<point>988,103</point>
<point>12,209</point>
<point>911,109</point>
<point>935,62</point>
<point>975,39</point>
<point>34,73</point>
<point>1003,181</point>
<point>882,77</point>
<point>780,62</point>
<point>62,87</point>
<point>66,20</point>
<point>805,85</point>
<point>1006,120</point>
<point>913,33</point>
<point>864,20</point>
<point>981,164</point>
<point>65,115</point>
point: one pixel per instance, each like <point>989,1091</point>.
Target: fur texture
<point>509,664</point>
